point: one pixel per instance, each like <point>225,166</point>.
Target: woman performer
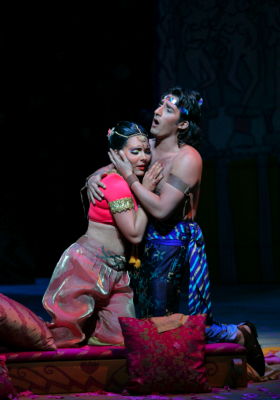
<point>89,288</point>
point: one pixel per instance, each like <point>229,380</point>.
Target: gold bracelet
<point>131,179</point>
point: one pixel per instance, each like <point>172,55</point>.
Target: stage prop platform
<point>93,368</point>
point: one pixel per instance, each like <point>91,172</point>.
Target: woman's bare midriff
<point>107,235</point>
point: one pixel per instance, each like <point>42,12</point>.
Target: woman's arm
<point>132,224</point>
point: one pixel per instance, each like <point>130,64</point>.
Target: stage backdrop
<point>230,51</point>
<point>61,71</point>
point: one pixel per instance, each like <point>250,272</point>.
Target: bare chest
<point>166,163</point>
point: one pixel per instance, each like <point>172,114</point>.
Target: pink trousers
<point>88,291</point>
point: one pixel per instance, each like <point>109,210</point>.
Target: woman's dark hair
<point>119,135</point>
<point>190,104</point>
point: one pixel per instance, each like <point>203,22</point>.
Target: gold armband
<point>120,205</point>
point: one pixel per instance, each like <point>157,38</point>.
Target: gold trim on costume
<point>120,205</point>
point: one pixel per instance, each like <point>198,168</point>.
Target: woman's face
<point>137,150</point>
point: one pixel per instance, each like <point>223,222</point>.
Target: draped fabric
<point>174,275</point>
<point>199,283</point>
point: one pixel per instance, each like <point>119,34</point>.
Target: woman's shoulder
<point>112,176</point>
<point>115,182</point>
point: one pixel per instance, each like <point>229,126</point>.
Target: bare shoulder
<point>188,155</point>
<point>188,165</point>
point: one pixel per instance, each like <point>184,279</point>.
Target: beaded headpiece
<point>113,131</point>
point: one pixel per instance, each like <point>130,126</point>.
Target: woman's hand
<point>121,163</point>
<point>153,176</point>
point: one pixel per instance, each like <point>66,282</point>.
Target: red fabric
<point>116,189</point>
<point>21,329</point>
<point>224,349</point>
<point>106,352</point>
<point>7,390</point>
<point>70,354</point>
<point>167,362</point>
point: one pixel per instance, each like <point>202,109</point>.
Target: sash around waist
<point>178,235</point>
<point>168,242</point>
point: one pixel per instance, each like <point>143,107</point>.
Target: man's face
<point>166,117</point>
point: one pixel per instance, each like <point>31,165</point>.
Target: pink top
<point>117,197</point>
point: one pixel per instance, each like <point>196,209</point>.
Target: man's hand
<point>153,176</point>
<point>93,184</point>
<point>121,163</point>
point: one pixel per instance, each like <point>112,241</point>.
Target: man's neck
<point>167,145</point>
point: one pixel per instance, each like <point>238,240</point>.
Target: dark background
<point>62,69</point>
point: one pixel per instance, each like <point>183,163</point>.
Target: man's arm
<point>151,179</point>
<point>187,167</point>
<point>93,182</point>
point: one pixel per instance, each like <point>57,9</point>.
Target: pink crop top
<point>117,198</point>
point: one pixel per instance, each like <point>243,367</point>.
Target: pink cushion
<point>21,329</point>
<point>105,352</point>
<point>224,349</point>
<point>168,362</point>
<point>79,353</point>
<point>7,390</point>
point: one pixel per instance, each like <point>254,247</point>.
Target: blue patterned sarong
<point>174,273</point>
<point>174,278</point>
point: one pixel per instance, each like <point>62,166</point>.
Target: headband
<point>175,101</point>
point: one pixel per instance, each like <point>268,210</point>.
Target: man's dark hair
<point>190,104</point>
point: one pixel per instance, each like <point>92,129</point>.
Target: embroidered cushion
<point>21,329</point>
<point>168,362</point>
